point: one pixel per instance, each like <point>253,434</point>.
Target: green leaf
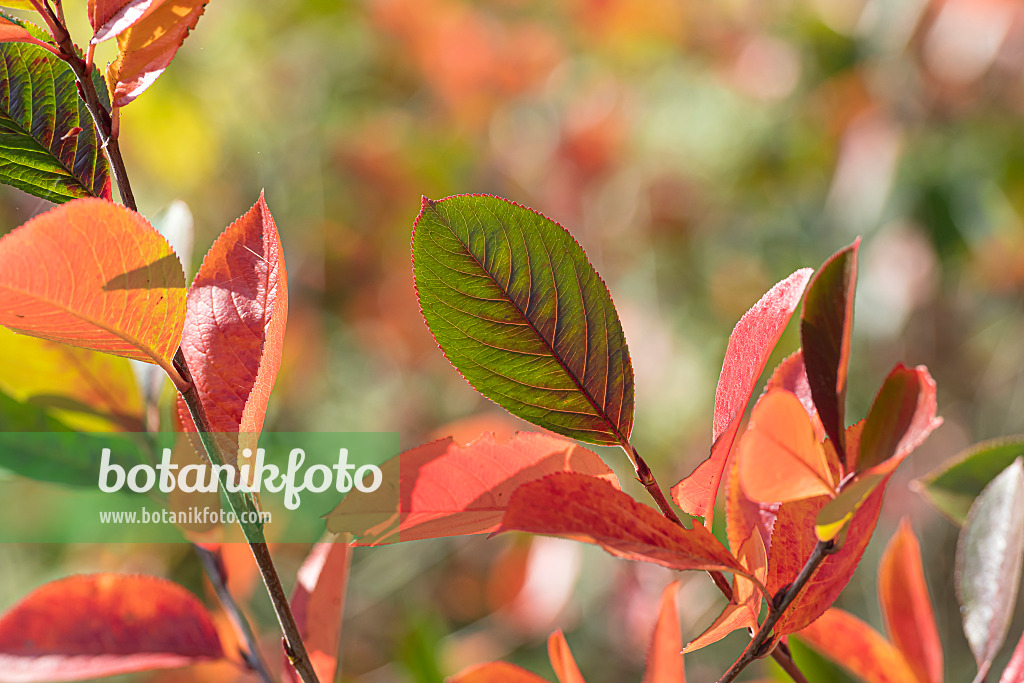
<point>988,564</point>
<point>516,306</point>
<point>40,150</point>
<point>60,456</point>
<point>825,325</point>
<point>953,487</point>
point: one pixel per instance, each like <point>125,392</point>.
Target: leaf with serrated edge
<point>234,328</point>
<point>907,607</point>
<point>96,625</point>
<point>750,346</point>
<point>149,46</point>
<point>50,147</point>
<point>953,486</point>
<point>591,510</point>
<point>444,489</point>
<point>825,325</point>
<point>318,603</point>
<point>988,564</point>
<point>857,647</point>
<point>664,659</point>
<point>95,275</point>
<point>517,308</point>
<point>85,390</point>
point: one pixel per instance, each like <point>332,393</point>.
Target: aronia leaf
<point>96,275</point>
<point>664,656</point>
<point>591,510</point>
<point>444,489</point>
<point>109,18</point>
<point>825,325</point>
<point>988,564</point>
<point>901,417</point>
<point>50,147</point>
<point>562,660</point>
<point>953,487</point>
<point>89,626</point>
<point>1014,671</point>
<point>318,603</point>
<point>517,308</point>
<point>496,672</point>
<point>907,607</point>
<point>750,346</point>
<point>857,647</point>
<point>13,32</point>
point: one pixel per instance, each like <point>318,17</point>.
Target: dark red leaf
<point>901,417</point>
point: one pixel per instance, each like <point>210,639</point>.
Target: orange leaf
<point>444,489</point>
<point>147,48</point>
<point>108,18</point>
<point>96,625</point>
<point>496,672</point>
<point>591,510</point>
<point>750,345</point>
<point>907,607</point>
<point>780,457</point>
<point>854,645</point>
<point>791,375</point>
<point>96,275</point>
<point>10,32</point>
<point>234,328</point>
<point>562,660</point>
<point>664,659</point>
<point>743,515</point>
<point>318,604</point>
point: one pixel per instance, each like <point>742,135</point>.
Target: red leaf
<point>794,538</point>
<point>96,275</point>
<point>496,672</point>
<point>907,607</point>
<point>664,659</point>
<point>591,510</point>
<point>318,603</point>
<point>901,418</point>
<point>750,345</point>
<point>11,32</point>
<point>444,489</point>
<point>147,48</point>
<point>1014,671</point>
<point>742,514</point>
<point>825,326</point>
<point>101,625</point>
<point>234,328</point>
<point>854,645</point>
<point>108,18</point>
<point>562,660</point>
<point>780,457</point>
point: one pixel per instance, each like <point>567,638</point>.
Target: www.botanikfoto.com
<point>191,515</point>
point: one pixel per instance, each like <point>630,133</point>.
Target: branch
<point>253,531</point>
<point>760,642</point>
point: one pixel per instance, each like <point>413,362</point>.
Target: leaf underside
<point>48,144</point>
<point>516,306</point>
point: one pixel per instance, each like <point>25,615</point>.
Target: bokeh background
<point>699,152</point>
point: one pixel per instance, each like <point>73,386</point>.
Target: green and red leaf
<point>825,326</point>
<point>318,604</point>
<point>95,275</point>
<point>901,418</point>
<point>97,625</point>
<point>444,489</point>
<point>857,647</point>
<point>591,510</point>
<point>907,607</point>
<point>750,346</point>
<point>517,308</point>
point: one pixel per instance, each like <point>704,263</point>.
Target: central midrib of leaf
<point>599,410</point>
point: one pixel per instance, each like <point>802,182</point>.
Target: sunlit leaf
<point>109,18</point>
<point>988,564</point>
<point>562,660</point>
<point>901,417</point>
<point>147,48</point>
<point>835,515</point>
<point>664,659</point>
<point>584,508</point>
<point>907,607</point>
<point>95,275</point>
<point>953,487</point>
<point>234,328</point>
<point>496,672</point>
<point>85,390</point>
<point>750,346</point>
<point>825,325</point>
<point>318,604</point>
<point>780,458</point>
<point>48,144</point>
<point>516,306</point>
<point>857,647</point>
<point>444,489</point>
<point>95,625</point>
